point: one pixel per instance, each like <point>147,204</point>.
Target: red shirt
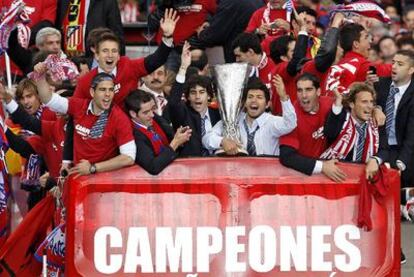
<point>126,79</point>
<point>118,131</point>
<point>290,86</point>
<point>308,137</point>
<point>50,144</point>
<point>266,71</point>
<point>191,20</point>
<point>353,67</point>
<point>256,21</point>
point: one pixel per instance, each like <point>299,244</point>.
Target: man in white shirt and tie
<point>259,130</point>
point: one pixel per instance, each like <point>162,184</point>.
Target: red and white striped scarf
<point>347,139</point>
<point>17,16</point>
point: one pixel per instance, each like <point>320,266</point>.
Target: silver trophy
<point>231,80</point>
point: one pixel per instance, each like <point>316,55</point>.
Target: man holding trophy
<point>252,131</point>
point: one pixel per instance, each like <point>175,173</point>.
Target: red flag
<point>17,254</point>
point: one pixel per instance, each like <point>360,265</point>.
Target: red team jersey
<point>290,86</point>
<point>353,67</point>
<point>308,137</point>
<point>50,144</point>
<point>256,21</point>
<point>190,20</point>
<point>118,131</point>
<point>126,79</point>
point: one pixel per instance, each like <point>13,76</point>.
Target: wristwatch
<point>92,169</point>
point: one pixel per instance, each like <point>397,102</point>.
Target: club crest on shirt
<point>82,131</point>
<point>117,88</point>
<point>318,133</point>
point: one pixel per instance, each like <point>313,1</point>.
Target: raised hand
<point>4,94</point>
<point>264,28</point>
<point>186,56</point>
<point>337,20</point>
<point>280,87</point>
<point>168,22</point>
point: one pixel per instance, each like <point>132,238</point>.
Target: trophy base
<point>222,153</point>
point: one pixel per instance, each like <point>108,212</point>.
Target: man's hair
<point>407,53</point>
<point>246,41</point>
<point>44,32</point>
<point>198,80</point>
<point>356,88</point>
<point>25,84</point>
<point>404,41</point>
<point>408,9</point>
<point>136,98</point>
<point>101,77</point>
<point>279,47</point>
<point>201,62</point>
<point>191,71</point>
<point>93,36</point>
<point>107,37</point>
<point>308,10</point>
<point>309,77</point>
<point>384,38</point>
<point>256,83</point>
<point>79,60</point>
<point>348,34</point>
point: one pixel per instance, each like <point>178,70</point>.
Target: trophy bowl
<point>231,80</point>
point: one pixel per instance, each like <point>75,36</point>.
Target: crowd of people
<point>324,87</point>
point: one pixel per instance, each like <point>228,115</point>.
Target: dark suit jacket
<point>333,127</point>
<point>101,13</point>
<point>145,153</point>
<point>404,127</point>
<point>183,115</point>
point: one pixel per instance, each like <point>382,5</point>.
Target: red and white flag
<point>365,8</point>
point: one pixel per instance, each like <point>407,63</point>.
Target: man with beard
<point>395,96</point>
<point>301,148</point>
<point>259,130</point>
<point>349,128</point>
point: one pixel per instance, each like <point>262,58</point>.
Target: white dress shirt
<point>266,139</point>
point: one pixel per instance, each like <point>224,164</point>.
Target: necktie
<point>99,126</point>
<point>154,134</point>
<point>361,142</point>
<point>389,108</point>
<point>251,147</point>
<point>161,101</point>
<point>204,151</point>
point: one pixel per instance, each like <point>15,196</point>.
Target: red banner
<point>228,217</point>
